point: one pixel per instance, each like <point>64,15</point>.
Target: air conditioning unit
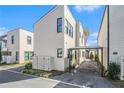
<point>122,69</point>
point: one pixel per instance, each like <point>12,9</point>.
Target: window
<point>17,55</point>
<point>71,31</point>
<point>68,28</point>
<point>28,55</point>
<point>29,40</point>
<point>59,52</point>
<point>12,39</point>
<point>59,25</point>
<point>31,55</point>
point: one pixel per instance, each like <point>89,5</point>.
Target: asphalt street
<point>13,79</point>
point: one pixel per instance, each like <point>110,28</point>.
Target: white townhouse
<point>80,42</point>
<point>19,46</point>
<point>111,34</point>
<point>54,33</point>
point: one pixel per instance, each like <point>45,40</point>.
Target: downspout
<point>108,43</point>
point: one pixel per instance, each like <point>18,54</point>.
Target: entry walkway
<point>87,75</point>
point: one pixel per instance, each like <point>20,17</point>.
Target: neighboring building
<point>79,42</point>
<point>19,45</point>
<point>111,34</point>
<point>54,33</point>
<point>3,43</point>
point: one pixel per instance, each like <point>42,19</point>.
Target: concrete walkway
<point>87,75</point>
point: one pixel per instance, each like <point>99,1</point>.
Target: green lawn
<point>42,73</point>
<point>11,65</point>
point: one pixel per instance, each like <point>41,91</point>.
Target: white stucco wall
<point>13,47</point>
<point>23,46</point>
<point>116,15</point>
<point>80,41</point>
<point>46,38</point>
<point>102,38</point>
<point>69,42</point>
<point>20,43</point>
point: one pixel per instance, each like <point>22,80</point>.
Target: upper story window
<point>71,31</point>
<point>12,40</point>
<point>29,40</point>
<point>59,25</point>
<point>68,28</point>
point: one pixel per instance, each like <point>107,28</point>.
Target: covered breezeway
<point>98,51</point>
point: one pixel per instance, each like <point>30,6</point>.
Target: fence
<point>8,59</point>
<point>43,63</point>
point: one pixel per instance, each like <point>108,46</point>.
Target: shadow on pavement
<point>7,76</point>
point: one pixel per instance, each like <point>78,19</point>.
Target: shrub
<point>113,71</point>
<point>91,55</point>
<point>28,66</point>
<point>96,58</point>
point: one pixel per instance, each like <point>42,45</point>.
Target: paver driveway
<point>87,75</point>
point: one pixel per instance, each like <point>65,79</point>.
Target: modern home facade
<point>19,46</point>
<point>54,34</point>
<point>111,34</point>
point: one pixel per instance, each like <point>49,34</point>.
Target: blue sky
<point>12,17</point>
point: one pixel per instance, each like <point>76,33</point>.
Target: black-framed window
<point>12,39</point>
<point>66,26</point>
<point>17,56</point>
<point>59,53</point>
<point>29,40</point>
<point>59,25</point>
<point>69,28</point>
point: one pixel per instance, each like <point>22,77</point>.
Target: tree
<point>91,56</point>
<point>0,53</point>
<point>86,34</point>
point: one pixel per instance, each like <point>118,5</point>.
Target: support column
<point>102,69</point>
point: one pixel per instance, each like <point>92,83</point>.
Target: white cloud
<point>3,31</point>
<point>94,34</point>
<point>91,43</point>
<point>88,8</point>
<point>92,40</point>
